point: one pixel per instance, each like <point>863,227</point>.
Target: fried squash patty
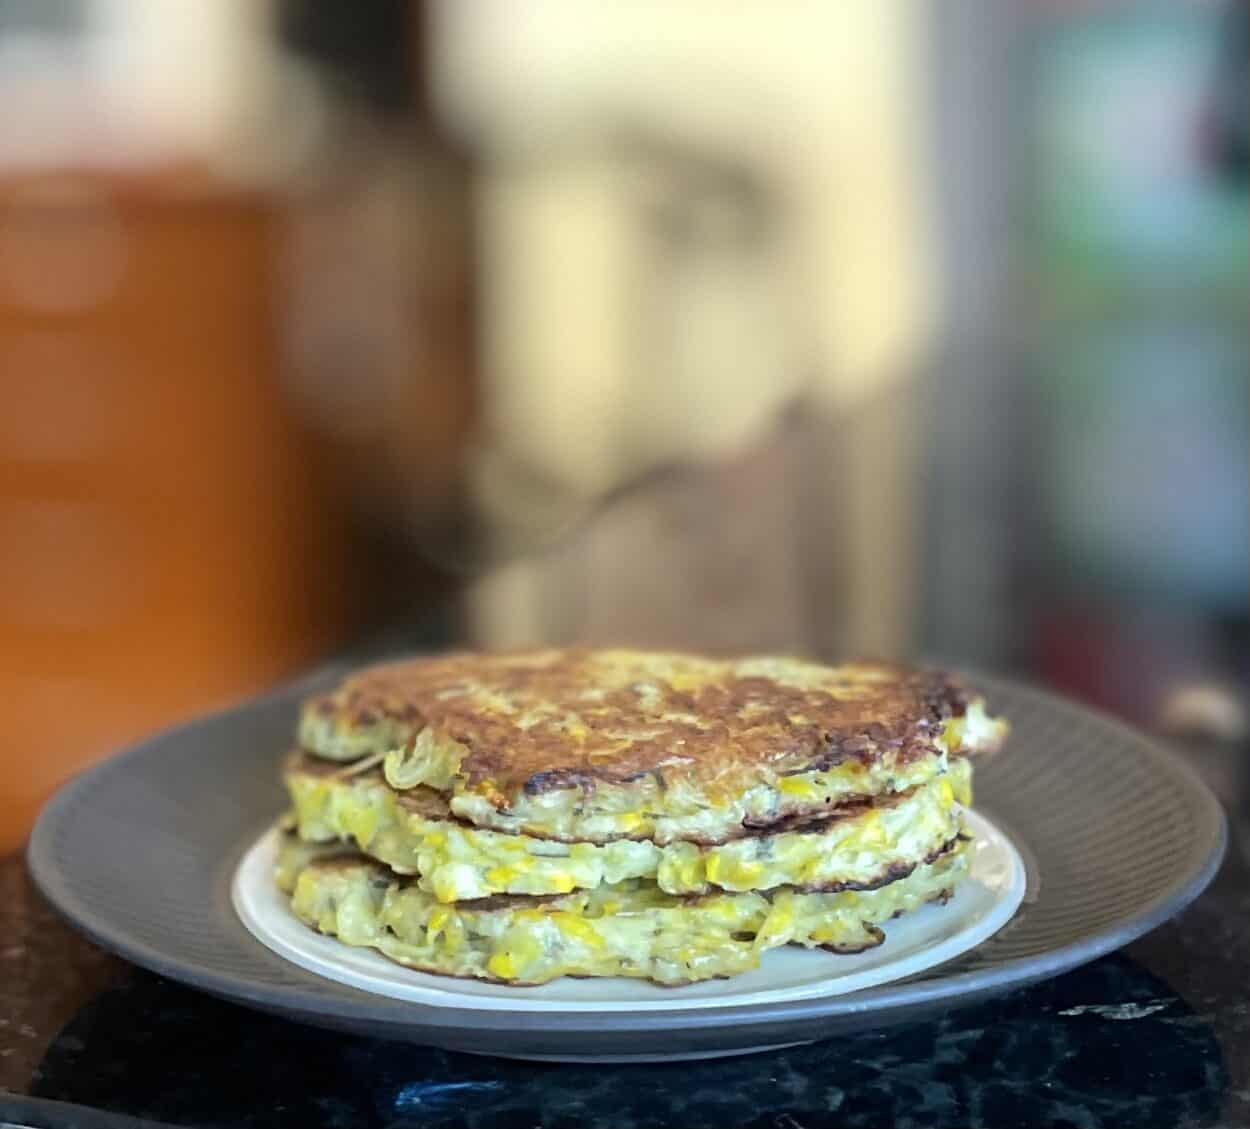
<point>593,746</point>
<point>634,929</point>
<point>413,832</point>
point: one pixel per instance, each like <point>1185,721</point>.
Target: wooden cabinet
<point>168,541</point>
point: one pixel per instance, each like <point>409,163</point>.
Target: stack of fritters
<point>519,817</point>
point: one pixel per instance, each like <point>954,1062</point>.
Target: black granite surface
<point>1158,1035</point>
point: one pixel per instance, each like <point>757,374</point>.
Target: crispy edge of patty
<point>861,712</point>
<point>432,804</point>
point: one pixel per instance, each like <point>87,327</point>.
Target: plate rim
<point>353,1006</point>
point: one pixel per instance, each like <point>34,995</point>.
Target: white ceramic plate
<point>915,942</point>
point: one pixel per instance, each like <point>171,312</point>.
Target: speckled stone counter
<point>1158,1035</point>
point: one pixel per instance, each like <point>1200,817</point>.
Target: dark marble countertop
<point>1157,1035</point>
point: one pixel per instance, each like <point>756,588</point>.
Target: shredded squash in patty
<point>523,816</point>
<point>591,746</point>
<point>458,862</point>
<point>633,930</point>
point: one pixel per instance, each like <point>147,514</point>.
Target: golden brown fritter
<point>633,929</point>
<point>595,745</point>
<point>550,719</point>
<point>852,845</point>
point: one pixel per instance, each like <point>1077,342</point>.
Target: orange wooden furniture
<point>167,539</point>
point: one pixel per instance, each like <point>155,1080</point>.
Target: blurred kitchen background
<point>857,327</point>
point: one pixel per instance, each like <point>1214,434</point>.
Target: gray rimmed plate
<point>140,851</point>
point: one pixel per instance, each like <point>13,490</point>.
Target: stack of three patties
<point>525,816</point>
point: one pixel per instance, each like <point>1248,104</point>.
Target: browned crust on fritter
<point>420,800</point>
<point>818,817</point>
<point>940,898</point>
<point>721,724</point>
<point>877,934</point>
<point>508,901</point>
<point>430,804</point>
<point>813,814</point>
